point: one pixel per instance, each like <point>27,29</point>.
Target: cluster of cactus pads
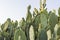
<point>34,27</point>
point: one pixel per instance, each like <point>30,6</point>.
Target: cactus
<point>35,24</point>
<point>15,24</point>
<point>29,15</point>
<point>36,11</point>
<point>53,20</point>
<point>58,34</point>
<point>57,31</point>
<point>31,33</point>
<point>59,12</point>
<point>6,26</point>
<point>34,27</point>
<point>19,35</point>
<point>44,20</point>
<point>43,35</point>
<point>27,31</point>
<point>22,24</point>
<point>42,5</point>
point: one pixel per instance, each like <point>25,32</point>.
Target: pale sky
<point>16,9</point>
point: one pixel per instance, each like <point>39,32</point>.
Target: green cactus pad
<point>53,20</point>
<point>19,35</point>
<point>43,20</point>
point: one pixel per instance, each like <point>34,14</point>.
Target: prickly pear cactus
<point>59,12</point>
<point>31,33</point>
<point>57,31</point>
<point>39,28</point>
<point>43,35</point>
<point>36,11</point>
<point>19,35</point>
<point>53,20</point>
<point>22,24</point>
<point>36,24</point>
<point>34,27</point>
<point>36,21</point>
<point>29,15</point>
<point>44,20</point>
<point>1,37</point>
<point>6,26</point>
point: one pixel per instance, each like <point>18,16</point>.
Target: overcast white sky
<point>16,9</point>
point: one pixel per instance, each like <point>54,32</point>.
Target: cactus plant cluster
<point>33,27</point>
